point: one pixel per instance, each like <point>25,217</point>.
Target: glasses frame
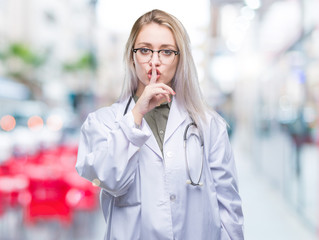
<point>158,51</point>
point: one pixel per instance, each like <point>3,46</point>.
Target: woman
<point>153,187</point>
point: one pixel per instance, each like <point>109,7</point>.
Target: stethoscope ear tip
<point>188,181</point>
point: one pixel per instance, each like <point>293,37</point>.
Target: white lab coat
<point>144,192</point>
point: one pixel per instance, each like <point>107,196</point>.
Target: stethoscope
<point>190,179</point>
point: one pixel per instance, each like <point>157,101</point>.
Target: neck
<point>140,89</point>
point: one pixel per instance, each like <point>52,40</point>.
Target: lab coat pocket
<point>133,196</point>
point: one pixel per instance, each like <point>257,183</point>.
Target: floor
<point>268,216</point>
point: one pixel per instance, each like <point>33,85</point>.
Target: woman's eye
<point>145,50</point>
<point>167,52</point>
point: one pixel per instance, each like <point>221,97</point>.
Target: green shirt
<point>157,120</point>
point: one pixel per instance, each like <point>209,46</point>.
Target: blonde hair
<point>185,82</point>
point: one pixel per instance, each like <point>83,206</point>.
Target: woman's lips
<point>158,74</point>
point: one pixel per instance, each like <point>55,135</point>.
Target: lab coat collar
<point>123,104</point>
<point>151,142</point>
<point>177,115</point>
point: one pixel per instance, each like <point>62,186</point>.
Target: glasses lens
<point>166,56</point>
<point>145,55</point>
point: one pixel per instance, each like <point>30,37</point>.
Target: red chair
<point>53,189</point>
<point>12,189</point>
<point>48,191</point>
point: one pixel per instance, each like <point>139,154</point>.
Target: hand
<point>153,95</point>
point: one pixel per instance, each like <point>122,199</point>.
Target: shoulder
<point>215,130</point>
<point>216,121</point>
<point>215,127</point>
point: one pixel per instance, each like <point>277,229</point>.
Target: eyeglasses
<point>166,56</point>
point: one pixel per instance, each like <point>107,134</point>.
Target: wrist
<point>137,117</point>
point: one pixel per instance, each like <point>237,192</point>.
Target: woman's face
<point>155,37</point>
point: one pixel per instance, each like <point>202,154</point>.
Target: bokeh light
<point>8,123</point>
<point>35,123</point>
<point>54,123</point>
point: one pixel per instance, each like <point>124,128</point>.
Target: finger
<point>161,91</point>
<point>160,98</point>
<point>168,98</point>
<point>167,88</point>
<point>154,74</point>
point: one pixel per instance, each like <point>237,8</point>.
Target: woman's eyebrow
<point>144,44</point>
<point>168,46</point>
<point>150,45</point>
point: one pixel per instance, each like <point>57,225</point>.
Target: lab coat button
<point>96,182</point>
<point>169,154</point>
<point>172,197</point>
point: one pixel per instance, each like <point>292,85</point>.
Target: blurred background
<point>258,66</point>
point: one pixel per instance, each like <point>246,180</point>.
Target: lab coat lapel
<point>151,142</point>
<point>177,115</point>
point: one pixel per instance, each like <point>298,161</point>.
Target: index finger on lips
<point>154,74</point>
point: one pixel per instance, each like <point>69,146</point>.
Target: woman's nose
<point>155,59</point>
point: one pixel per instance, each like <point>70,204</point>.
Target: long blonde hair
<point>185,82</point>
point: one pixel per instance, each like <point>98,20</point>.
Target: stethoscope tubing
<point>190,180</point>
